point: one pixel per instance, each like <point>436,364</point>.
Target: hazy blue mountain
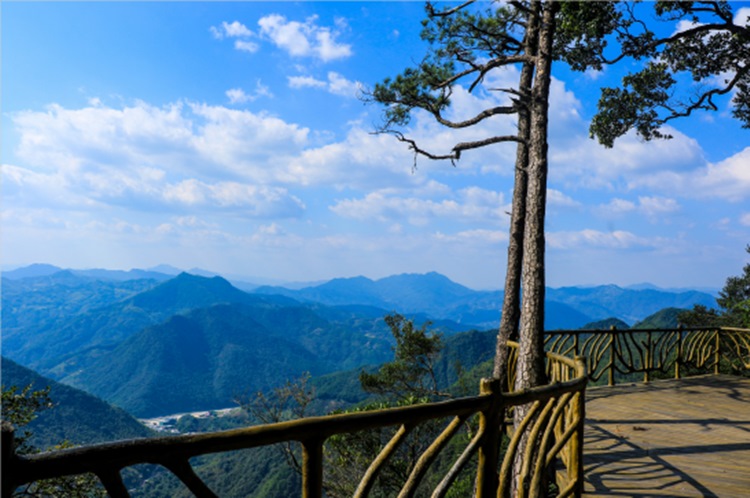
<point>35,270</point>
<point>439,297</point>
<point>627,304</point>
<point>67,343</point>
<point>203,359</point>
<point>33,304</point>
<point>122,275</point>
<point>410,292</point>
<point>431,294</point>
<point>44,270</point>
<point>77,416</point>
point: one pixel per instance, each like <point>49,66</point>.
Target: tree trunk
<point>530,371</point>
<point>531,352</point>
<point>511,311</point>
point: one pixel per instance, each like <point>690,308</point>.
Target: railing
<point>624,355</point>
<point>554,422</point>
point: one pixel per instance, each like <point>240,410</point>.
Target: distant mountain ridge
<point>439,297</point>
<point>43,345</point>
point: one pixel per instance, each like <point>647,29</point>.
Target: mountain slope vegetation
<point>77,416</point>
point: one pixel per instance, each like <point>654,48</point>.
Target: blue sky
<point>230,137</point>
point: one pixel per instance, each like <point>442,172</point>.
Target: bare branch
<point>706,99</point>
<point>431,12</point>
<point>487,113</point>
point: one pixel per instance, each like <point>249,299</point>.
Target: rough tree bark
<point>511,310</point>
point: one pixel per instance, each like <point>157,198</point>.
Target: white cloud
<point>745,219</point>
<point>250,200</point>
<point>742,16</point>
<point>304,39</point>
<point>618,239</point>
<point>728,179</point>
<point>246,46</point>
<point>128,155</point>
<point>474,237</point>
<point>336,84</point>
<point>239,96</point>
<point>557,198</point>
<point>339,85</point>
<point>305,82</point>
<point>631,163</point>
<point>656,206</point>
<point>653,208</point>
<point>471,204</point>
<point>231,30</point>
<point>360,161</point>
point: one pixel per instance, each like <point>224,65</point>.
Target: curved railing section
<point>554,424</point>
<point>643,354</point>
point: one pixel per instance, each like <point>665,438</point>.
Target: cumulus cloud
<point>234,29</point>
<point>728,179</point>
<point>359,161</point>
<point>239,96</point>
<point>471,204</point>
<point>742,16</point>
<point>654,208</point>
<point>557,198</point>
<point>246,46</point>
<point>250,200</point>
<point>618,239</point>
<point>304,39</point>
<point>336,84</point>
<point>305,82</point>
<point>474,237</point>
<point>631,163</point>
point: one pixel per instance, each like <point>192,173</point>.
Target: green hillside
<point>606,324</point>
<point>203,359</point>
<point>662,319</point>
<point>77,417</point>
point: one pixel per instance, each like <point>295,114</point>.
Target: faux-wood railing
<point>555,421</point>
<point>628,354</point>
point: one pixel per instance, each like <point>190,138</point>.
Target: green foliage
<point>606,324</point>
<point>713,52</point>
<point>582,30</point>
<point>414,88</point>
<point>668,318</point>
<point>634,106</point>
<point>412,370</point>
<point>733,301</point>
<point>20,408</point>
<point>77,416</point>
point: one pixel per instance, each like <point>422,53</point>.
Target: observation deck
<point>688,437</point>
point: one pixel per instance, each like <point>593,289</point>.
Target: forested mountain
<point>662,319</point>
<point>73,338</point>
<point>203,359</point>
<point>77,417</point>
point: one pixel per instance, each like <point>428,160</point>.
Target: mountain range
<point>159,344</point>
<point>439,297</point>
